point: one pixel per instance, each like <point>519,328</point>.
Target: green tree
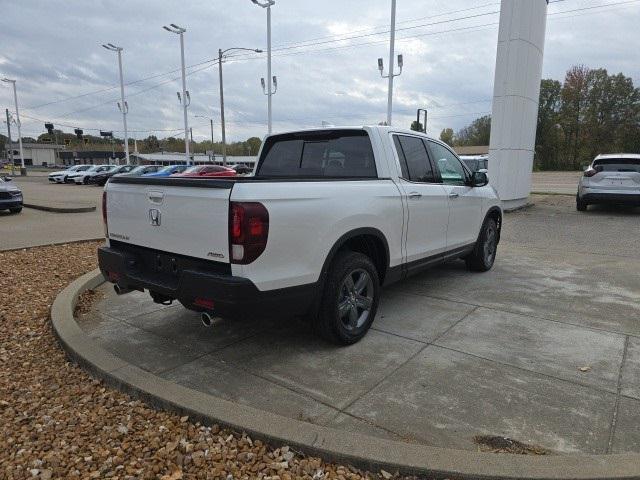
<point>446,135</point>
<point>254,144</point>
<point>548,132</point>
<point>477,133</point>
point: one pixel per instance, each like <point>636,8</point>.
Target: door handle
<point>415,195</point>
<point>453,195</point>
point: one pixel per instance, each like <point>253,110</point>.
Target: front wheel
<point>349,300</point>
<point>484,253</point>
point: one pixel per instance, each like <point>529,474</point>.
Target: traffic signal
<point>49,127</point>
<point>78,132</point>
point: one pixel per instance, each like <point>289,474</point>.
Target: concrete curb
<point>554,193</point>
<point>333,445</point>
<point>47,208</point>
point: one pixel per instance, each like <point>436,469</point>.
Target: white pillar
<point>515,98</point>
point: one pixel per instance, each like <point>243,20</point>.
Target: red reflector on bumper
<point>204,303</point>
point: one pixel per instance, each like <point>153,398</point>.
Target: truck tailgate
<point>188,220</point>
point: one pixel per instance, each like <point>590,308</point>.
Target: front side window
<point>414,160</point>
<point>451,170</point>
<point>322,153</point>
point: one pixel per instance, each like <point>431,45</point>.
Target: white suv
<point>611,178</point>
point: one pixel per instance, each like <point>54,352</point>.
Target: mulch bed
<point>58,422</point>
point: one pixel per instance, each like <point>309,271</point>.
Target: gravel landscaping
<point>58,422</point>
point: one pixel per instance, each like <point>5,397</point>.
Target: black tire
<point>484,253</point>
<point>581,205</point>
<point>357,298</point>
<point>15,210</point>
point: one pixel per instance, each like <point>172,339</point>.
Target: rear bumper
<point>186,279</point>
<point>615,198</point>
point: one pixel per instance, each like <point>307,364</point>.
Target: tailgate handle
<point>155,197</point>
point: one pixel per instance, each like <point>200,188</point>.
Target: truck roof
<point>381,128</point>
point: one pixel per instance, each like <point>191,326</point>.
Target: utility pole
<point>267,4</point>
<point>23,170</point>
<point>123,105</point>
<point>221,54</point>
<point>185,98</point>
<point>9,145</point>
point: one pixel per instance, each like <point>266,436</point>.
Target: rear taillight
<point>104,214</point>
<point>248,231</point>
<point>590,172</point>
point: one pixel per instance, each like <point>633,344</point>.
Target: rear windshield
<point>617,165</point>
<point>321,153</point>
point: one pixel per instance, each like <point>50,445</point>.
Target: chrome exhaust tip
<point>209,320</point>
<point>119,290</point>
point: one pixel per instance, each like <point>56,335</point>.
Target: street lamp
<point>221,54</point>
<point>23,170</point>
<point>267,4</point>
<point>185,99</point>
<point>123,105</point>
<point>390,75</point>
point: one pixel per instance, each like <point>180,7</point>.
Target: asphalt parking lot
<point>545,348</point>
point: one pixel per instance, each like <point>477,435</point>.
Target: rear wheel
<point>349,300</point>
<point>581,205</point>
<point>15,210</point>
<point>484,253</point>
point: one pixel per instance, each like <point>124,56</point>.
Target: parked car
<point>475,162</point>
<point>611,178</point>
<point>241,169</point>
<point>142,170</point>
<point>207,171</point>
<point>82,178</point>
<point>168,170</point>
<point>10,196</point>
<point>101,178</point>
<point>60,176</point>
<point>330,216</point>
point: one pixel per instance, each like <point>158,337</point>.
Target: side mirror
<point>479,178</point>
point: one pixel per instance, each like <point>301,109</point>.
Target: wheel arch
<point>367,240</point>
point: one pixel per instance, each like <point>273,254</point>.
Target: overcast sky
<point>53,50</point>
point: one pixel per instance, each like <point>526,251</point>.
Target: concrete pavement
<point>545,348</point>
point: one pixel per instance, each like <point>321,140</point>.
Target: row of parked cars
<point>100,174</point>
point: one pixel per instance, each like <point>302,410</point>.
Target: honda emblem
<point>154,217</point>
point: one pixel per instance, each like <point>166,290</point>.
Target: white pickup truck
<point>328,217</point>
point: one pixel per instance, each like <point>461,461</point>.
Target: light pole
<point>123,105</point>
<point>23,170</point>
<point>185,99</point>
<point>390,75</point>
<point>267,4</point>
<point>9,146</point>
<point>211,123</point>
<point>221,54</point>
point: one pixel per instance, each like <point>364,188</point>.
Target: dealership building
<point>35,154</point>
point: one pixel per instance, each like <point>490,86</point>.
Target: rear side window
<point>414,160</point>
<point>617,165</point>
<point>321,153</point>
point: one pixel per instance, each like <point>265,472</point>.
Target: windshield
<point>617,165</point>
<point>171,168</point>
<point>138,169</point>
